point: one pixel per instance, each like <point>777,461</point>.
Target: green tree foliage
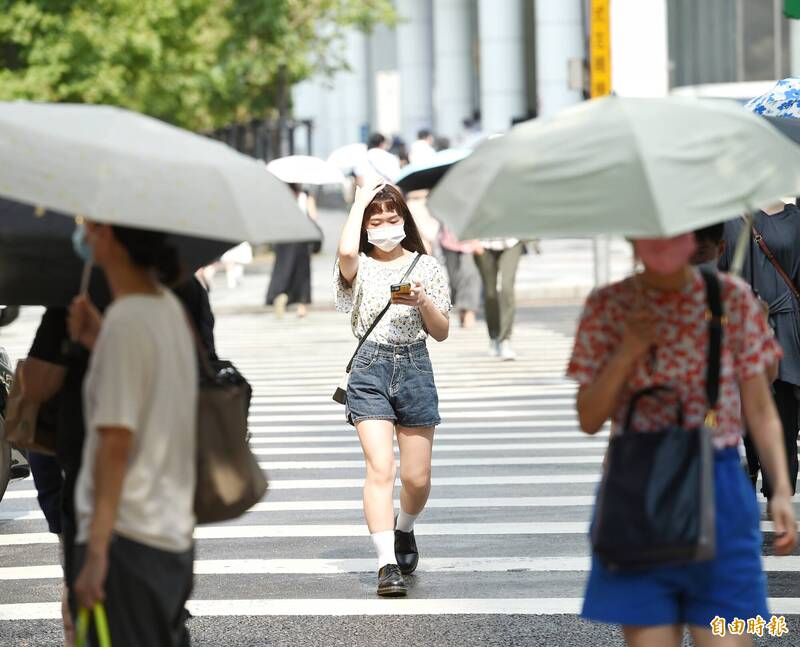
<point>196,63</point>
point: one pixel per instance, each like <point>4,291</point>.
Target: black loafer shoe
<point>390,582</point>
<point>405,551</point>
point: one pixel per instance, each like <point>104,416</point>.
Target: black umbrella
<point>416,177</point>
<point>39,267</point>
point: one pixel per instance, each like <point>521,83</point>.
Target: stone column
<point>502,51</point>
<point>559,38</point>
<point>452,27</point>
<point>415,64</point>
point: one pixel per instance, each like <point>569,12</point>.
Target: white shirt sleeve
<point>124,364</point>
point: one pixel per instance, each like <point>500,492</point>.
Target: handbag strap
<point>771,258</point>
<point>715,317</point>
<point>377,319</point>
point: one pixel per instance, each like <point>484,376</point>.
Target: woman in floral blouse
<point>649,330</point>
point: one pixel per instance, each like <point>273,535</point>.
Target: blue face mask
<point>80,244</point>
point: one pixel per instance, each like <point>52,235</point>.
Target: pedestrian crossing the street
<point>504,532</point>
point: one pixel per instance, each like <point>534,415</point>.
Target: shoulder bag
<point>656,505</point>
<point>340,395</point>
<point>229,479</point>
<point>771,258</point>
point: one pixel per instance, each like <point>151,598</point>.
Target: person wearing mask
<point>422,150</point>
<point>779,226</point>
<point>134,497</point>
<point>391,390</point>
<point>497,262</point>
<point>291,275</point>
<point>650,330</point>
<point>378,165</point>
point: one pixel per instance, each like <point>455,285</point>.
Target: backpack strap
<point>715,316</point>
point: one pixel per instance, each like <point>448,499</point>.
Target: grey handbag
<point>229,478</point>
<point>340,395</point>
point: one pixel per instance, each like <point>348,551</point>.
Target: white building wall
<point>415,64</point>
<point>453,85</point>
<point>559,38</point>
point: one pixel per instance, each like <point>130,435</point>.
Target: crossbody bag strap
<point>377,319</point>
<point>771,258</point>
<point>715,316</point>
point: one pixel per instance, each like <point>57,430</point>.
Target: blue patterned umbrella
<point>781,101</point>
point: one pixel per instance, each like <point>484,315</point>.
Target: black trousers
<point>146,591</point>
<point>788,410</point>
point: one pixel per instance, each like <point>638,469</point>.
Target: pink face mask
<point>665,255</point>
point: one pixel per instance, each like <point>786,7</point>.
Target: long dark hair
<point>390,199</point>
<point>151,250</point>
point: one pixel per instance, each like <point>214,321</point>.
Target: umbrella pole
<point>741,245</point>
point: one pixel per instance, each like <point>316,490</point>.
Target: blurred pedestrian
<point>291,274</point>
<point>234,261</point>
<point>391,388</point>
<point>651,330</point>
<point>465,279</point>
<point>779,228</point>
<point>135,492</point>
<point>422,150</point>
<point>378,164</point>
<point>497,262</point>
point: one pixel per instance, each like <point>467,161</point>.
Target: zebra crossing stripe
<point>348,566</point>
<point>440,462</point>
<point>438,449</point>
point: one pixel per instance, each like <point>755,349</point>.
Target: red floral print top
<point>679,359</point>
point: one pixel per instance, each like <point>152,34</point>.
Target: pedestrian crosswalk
<point>505,530</point>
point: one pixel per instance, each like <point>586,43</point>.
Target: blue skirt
<point>732,585</point>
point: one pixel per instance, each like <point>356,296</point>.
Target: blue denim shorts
<point>732,585</point>
<point>393,383</point>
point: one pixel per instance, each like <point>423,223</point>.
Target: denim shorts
<point>732,585</point>
<point>393,383</point>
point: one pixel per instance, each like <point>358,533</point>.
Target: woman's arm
<point>350,239</point>
<point>436,322</point>
<point>597,401</point>
<point>764,427</point>
<point>110,464</point>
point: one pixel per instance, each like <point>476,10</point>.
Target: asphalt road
<point>503,541</point>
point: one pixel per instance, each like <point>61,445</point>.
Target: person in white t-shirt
<point>422,150</point>
<point>135,492</point>
<point>378,165</point>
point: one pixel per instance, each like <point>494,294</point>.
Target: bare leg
<point>377,437</point>
<point>660,636</point>
<point>416,447</point>
<point>704,638</point>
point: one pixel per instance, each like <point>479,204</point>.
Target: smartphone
<point>401,288</point>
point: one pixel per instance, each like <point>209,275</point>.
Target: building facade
<point>459,66</point>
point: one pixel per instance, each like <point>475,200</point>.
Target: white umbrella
<point>348,158</point>
<point>123,168</point>
<point>305,169</point>
<point>621,166</point>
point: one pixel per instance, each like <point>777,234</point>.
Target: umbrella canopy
<point>305,169</point>
<point>416,177</point>
<point>123,168</point>
<point>39,267</point>
<point>783,100</point>
<point>348,158</point>
<point>619,166</point>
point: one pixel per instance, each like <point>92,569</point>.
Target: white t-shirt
<point>143,377</point>
<point>421,152</point>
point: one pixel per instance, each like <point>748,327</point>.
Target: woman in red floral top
<point>649,330</point>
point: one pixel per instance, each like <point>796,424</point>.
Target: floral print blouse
<point>679,360</point>
<point>370,293</point>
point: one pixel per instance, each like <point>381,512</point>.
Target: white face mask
<point>387,238</point>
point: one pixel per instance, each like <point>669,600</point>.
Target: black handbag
<point>655,506</point>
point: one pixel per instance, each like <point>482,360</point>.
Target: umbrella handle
<point>741,246</point>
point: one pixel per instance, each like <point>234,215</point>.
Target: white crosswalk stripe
<point>513,485</point>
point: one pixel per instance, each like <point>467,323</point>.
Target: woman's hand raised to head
<point>365,195</point>
<point>350,240</point>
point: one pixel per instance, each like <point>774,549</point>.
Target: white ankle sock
<point>405,521</point>
<point>384,546</point>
